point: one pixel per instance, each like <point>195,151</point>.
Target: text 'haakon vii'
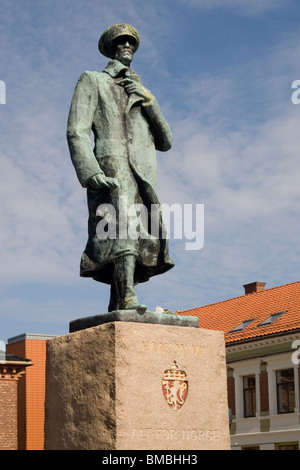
<point>174,348</point>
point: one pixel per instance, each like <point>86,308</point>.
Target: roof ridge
<point>241,296</point>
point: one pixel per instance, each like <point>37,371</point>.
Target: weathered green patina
<point>120,171</point>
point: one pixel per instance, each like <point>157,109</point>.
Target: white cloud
<point>37,235</point>
<point>241,160</point>
<point>235,150</point>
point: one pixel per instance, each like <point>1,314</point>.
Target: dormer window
<point>271,318</point>
<point>242,325</point>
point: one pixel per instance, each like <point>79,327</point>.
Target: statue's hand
<point>100,181</point>
<point>134,87</point>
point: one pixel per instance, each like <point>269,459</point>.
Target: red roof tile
<point>228,314</point>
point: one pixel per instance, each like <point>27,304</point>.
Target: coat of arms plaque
<point>175,387</point>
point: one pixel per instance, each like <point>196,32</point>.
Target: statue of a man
<point>120,171</point>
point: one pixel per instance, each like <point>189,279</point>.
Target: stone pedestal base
<point>135,386</point>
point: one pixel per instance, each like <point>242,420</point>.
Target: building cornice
<point>270,344</point>
<point>12,371</point>
<point>34,336</point>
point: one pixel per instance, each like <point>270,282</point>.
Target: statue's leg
<point>123,288</point>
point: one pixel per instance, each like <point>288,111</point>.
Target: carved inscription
<point>176,434</point>
<point>173,348</point>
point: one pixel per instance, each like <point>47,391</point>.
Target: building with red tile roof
<point>258,313</point>
<point>262,337</point>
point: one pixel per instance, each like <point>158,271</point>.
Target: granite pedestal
<point>128,385</point>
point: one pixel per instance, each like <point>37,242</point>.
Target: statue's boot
<point>123,288</point>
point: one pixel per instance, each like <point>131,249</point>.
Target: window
<point>271,318</point>
<point>249,393</point>
<point>293,446</point>
<point>285,391</point>
<point>242,325</point>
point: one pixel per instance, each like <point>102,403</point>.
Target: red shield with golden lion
<point>175,387</point>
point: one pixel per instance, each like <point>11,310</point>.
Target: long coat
<point>127,132</point>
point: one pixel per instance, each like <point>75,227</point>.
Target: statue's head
<point>119,41</point>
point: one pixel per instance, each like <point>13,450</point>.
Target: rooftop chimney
<point>254,287</point>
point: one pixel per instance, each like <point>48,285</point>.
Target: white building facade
<point>263,393</point>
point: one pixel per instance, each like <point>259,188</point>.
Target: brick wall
<point>8,414</point>
<point>264,391</point>
<point>231,393</point>
<point>35,394</point>
<point>19,350</point>
<point>31,392</point>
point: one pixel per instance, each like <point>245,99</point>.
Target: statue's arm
<point>159,127</point>
<point>80,121</point>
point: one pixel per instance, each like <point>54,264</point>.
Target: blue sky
<point>222,71</point>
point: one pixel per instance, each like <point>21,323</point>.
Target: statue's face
<point>124,49</point>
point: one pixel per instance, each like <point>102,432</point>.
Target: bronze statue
<point>120,171</point>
